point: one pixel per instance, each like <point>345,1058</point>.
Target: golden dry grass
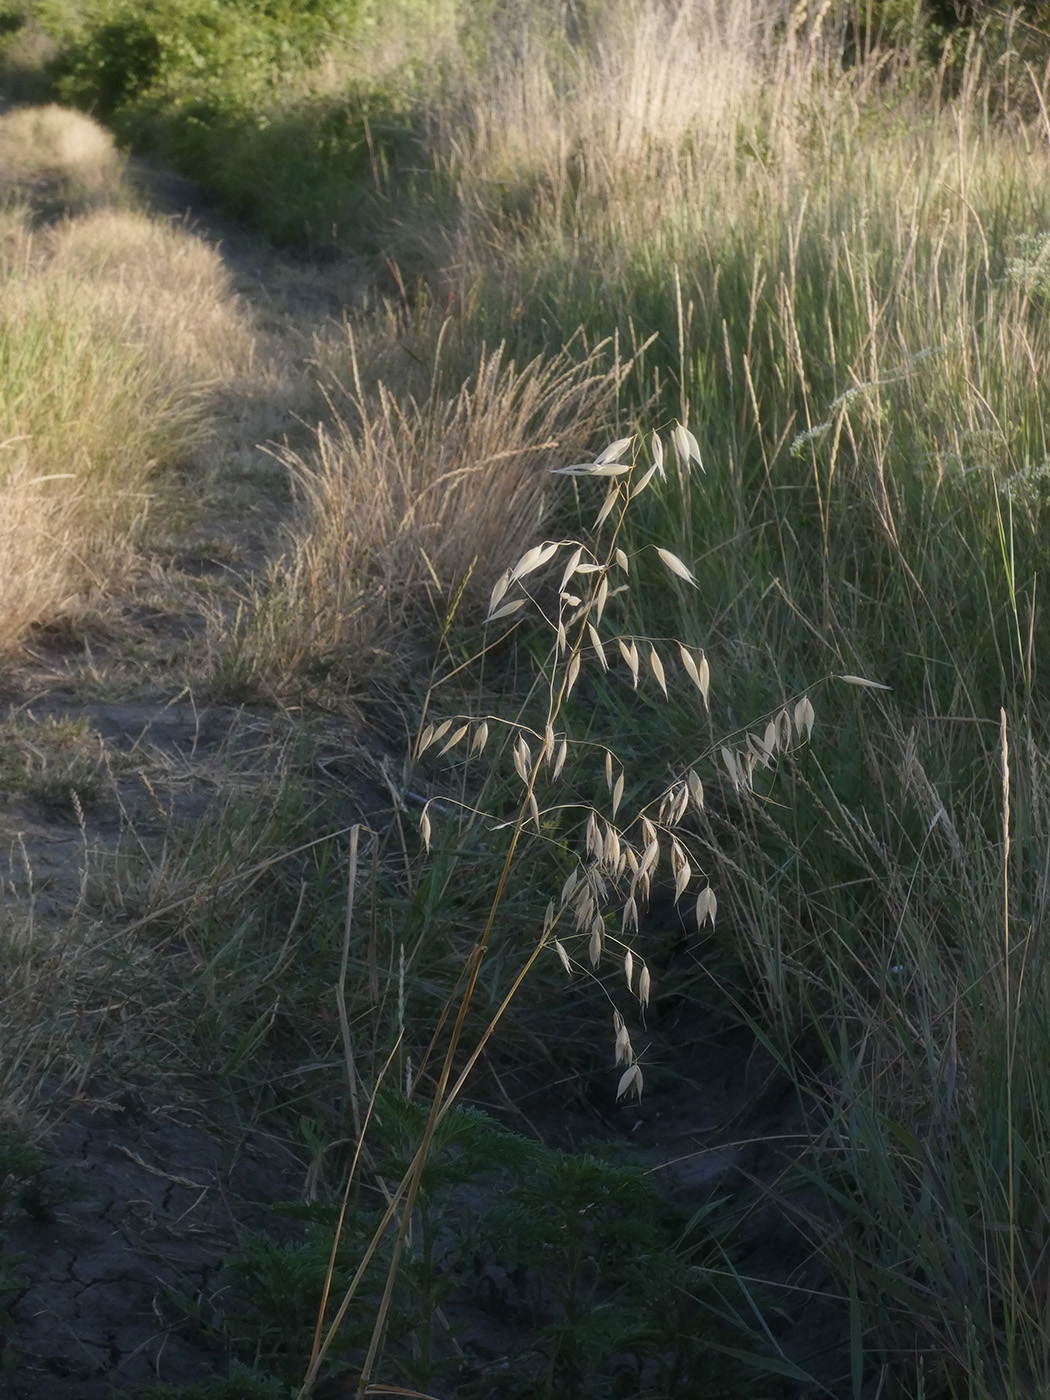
<point>414,491</point>
<point>57,157</point>
<point>119,336</point>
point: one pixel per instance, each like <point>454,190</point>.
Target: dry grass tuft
<point>408,496</point>
<point>120,341</point>
<point>58,159</point>
<point>168,288</point>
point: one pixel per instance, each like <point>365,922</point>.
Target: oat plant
<point>615,854</point>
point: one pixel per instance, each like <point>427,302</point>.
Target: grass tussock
<point>58,160</point>
<point>117,334</point>
<point>416,494</point>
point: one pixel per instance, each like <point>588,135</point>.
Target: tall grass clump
<point>606,831</point>
<point>117,336</point>
<point>414,493</point>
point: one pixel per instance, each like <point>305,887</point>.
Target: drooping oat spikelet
<point>617,794</point>
<point>645,986</point>
<point>572,674</point>
<point>630,655</point>
<point>454,740</point>
<point>630,1083</point>
<point>686,446</point>
<point>860,680</point>
<point>658,669</point>
<point>675,565</point>
<point>607,508</point>
<point>594,945</point>
<point>804,717</point>
<point>731,767</point>
<point>532,559</point>
<point>706,907</point>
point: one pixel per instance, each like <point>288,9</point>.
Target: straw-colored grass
<point>416,492</point>
<point>117,334</point>
<point>58,158</point>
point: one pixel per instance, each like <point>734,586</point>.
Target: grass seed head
<point>563,956</point>
<point>644,986</point>
<point>804,717</point>
<point>706,907</point>
<point>630,1083</point>
<point>658,669</point>
<point>675,565</point>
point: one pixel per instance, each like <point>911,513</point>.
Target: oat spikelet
<point>628,967</point>
<point>644,986</point>
<point>630,1083</point>
<point>731,766</point>
<point>499,588</point>
<point>606,510</point>
<point>572,674</point>
<point>481,737</point>
<point>522,758</point>
<point>658,669</point>
<point>804,717</point>
<point>531,560</point>
<point>424,828</point>
<point>706,907</point>
<point>569,887</point>
<point>451,744</point>
<point>686,446</point>
<point>613,452</point>
<point>594,943</point>
<point>644,481</point>
<point>622,560</point>
<point>563,956</point>
<point>630,655</point>
<point>783,723</point>
<point>570,567</point>
<point>425,740</point>
<point>617,794</point>
<point>866,684</point>
<point>596,643</point>
<point>675,565</point>
<point>624,1052</point>
<point>602,597</point>
<point>696,790</point>
<point>683,871</point>
<point>559,762</point>
<point>705,681</point>
<point>507,610</point>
